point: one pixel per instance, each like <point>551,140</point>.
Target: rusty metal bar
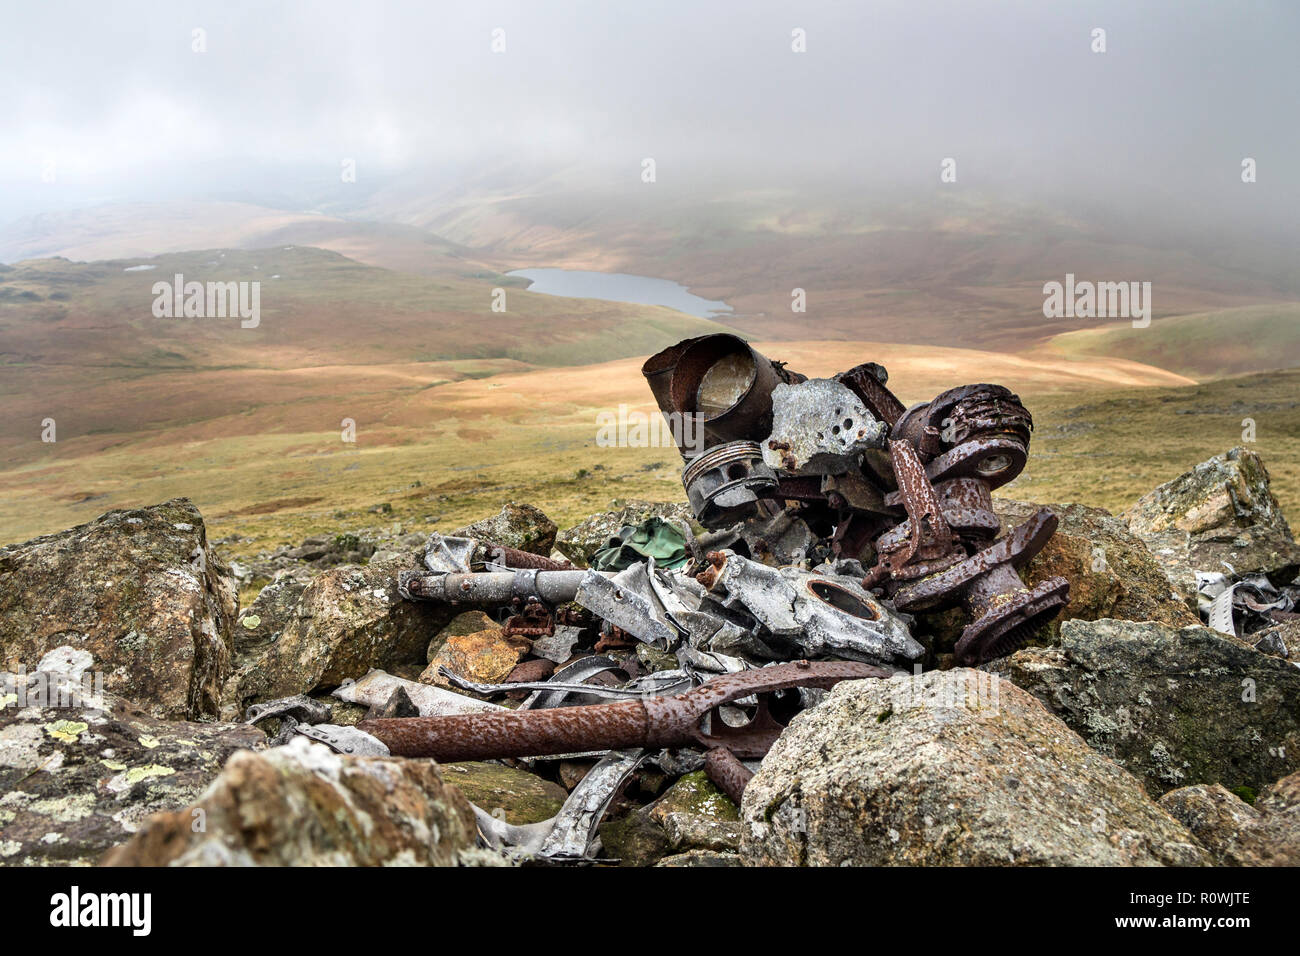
<point>651,722</point>
<point>727,772</point>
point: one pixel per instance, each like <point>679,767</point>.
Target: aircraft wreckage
<point>828,516</point>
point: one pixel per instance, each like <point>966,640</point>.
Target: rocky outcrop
<point>1174,706</point>
<point>691,815</point>
<point>1222,511</point>
<point>304,805</point>
<point>486,656</point>
<point>1234,832</point>
<point>76,781</point>
<point>580,542</point>
<point>346,621</point>
<point>141,591</point>
<point>516,526</point>
<point>952,768</point>
<point>1111,572</point>
<point>511,794</point>
<point>260,624</point>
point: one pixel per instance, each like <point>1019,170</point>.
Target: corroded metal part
<point>1006,614</point>
<point>491,588</point>
<point>819,614</point>
<point>648,723</point>
<point>725,484</point>
<point>819,427</point>
<point>724,379</point>
<point>868,382</point>
<point>727,772</point>
<point>1021,544</point>
<point>514,558</point>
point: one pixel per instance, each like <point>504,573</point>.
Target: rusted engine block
<point>838,469</point>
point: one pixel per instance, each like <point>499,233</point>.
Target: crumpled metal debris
<point>691,718</point>
<point>831,515</point>
<point>819,427</point>
<point>818,614</point>
<point>1243,606</point>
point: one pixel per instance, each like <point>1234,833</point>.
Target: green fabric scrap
<point>652,538</point>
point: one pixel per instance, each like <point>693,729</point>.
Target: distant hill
<point>80,342</point>
<point>958,270</point>
<point>1201,345</point>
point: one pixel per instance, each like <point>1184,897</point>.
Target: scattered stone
<point>517,526</point>
<point>691,831</point>
<point>142,591</point>
<point>1173,706</point>
<point>571,772</point>
<point>580,542</point>
<point>516,796</point>
<point>1236,833</point>
<point>468,622</point>
<point>76,781</point>
<point>260,624</point>
<point>694,794</point>
<point>948,768</point>
<point>486,656</point>
<point>347,621</point>
<point>633,840</point>
<point>701,858</point>
<point>1228,514</point>
<point>398,705</point>
<point>304,805</point>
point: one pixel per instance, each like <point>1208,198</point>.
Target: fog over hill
<point>1147,137</point>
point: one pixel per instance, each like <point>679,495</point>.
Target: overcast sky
<point>113,99</point>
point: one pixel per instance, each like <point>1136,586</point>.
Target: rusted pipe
<point>727,772</point>
<point>650,722</point>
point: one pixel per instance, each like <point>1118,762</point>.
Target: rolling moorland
<point>458,408</point>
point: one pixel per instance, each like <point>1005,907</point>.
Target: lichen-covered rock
<point>257,628</point>
<point>580,542</point>
<point>142,591</point>
<point>514,795</point>
<point>691,814</point>
<point>1174,706</point>
<point>952,768</point>
<point>485,656</point>
<point>1236,833</point>
<point>692,831</point>
<point>1111,572</point>
<point>75,781</point>
<point>694,858</point>
<point>466,622</point>
<point>346,621</point>
<point>694,794</point>
<point>259,625</point>
<point>304,805</point>
<point>1228,514</point>
<point>517,526</point>
<point>633,840</point>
